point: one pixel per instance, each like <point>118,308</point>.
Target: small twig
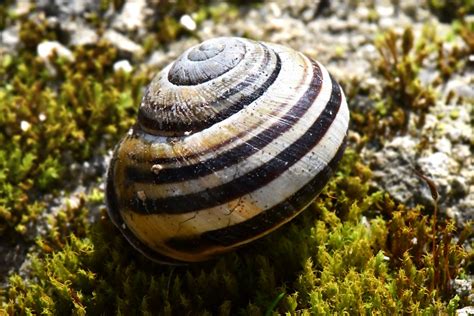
<point>435,196</point>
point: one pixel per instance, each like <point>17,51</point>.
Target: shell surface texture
<point>233,139</point>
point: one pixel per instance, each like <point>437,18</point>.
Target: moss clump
<point>55,113</point>
<point>399,65</point>
<point>5,16</point>
<point>402,95</point>
<point>328,260</point>
<point>447,11</point>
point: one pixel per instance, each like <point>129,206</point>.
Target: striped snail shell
<point>233,139</point>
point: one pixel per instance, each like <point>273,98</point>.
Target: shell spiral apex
<point>233,139</point>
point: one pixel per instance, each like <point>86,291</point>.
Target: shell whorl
<point>206,62</point>
<point>207,84</point>
<point>233,140</point>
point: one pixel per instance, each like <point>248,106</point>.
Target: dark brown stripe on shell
<point>263,222</point>
<point>154,126</point>
<point>236,154</point>
<point>254,179</point>
<point>138,134</point>
<point>116,217</point>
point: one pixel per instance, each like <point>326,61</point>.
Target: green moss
<point>399,65</point>
<point>328,260</point>
<point>402,94</point>
<point>53,115</point>
<point>5,15</point>
<point>447,11</point>
<point>352,251</point>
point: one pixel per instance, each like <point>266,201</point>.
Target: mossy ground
<point>330,259</point>
<point>355,250</point>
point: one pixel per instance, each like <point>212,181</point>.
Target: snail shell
<point>233,139</point>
